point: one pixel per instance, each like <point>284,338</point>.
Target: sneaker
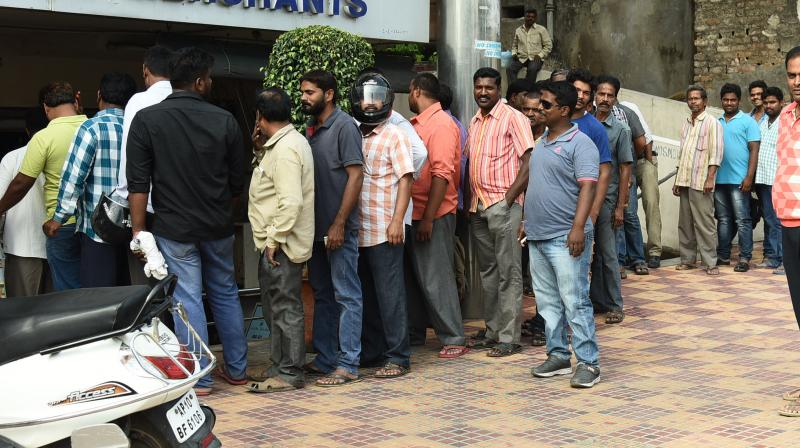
<point>768,264</point>
<point>552,367</point>
<point>742,266</point>
<point>585,376</point>
<point>779,270</point>
<point>654,262</point>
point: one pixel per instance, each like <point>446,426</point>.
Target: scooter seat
<point>29,325</point>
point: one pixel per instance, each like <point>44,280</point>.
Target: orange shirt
<point>496,143</point>
<point>442,139</point>
<point>786,189</point>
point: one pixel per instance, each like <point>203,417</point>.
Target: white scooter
<point>74,359</point>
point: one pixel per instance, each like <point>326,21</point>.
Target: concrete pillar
<point>463,24</point>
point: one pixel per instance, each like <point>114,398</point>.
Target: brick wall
<point>743,40</point>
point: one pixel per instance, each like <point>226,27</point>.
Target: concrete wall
<point>741,41</point>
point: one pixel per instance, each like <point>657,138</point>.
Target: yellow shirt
<point>281,198</point>
<point>46,154</point>
<point>531,42</point>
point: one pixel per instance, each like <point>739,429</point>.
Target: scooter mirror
<point>107,435</point>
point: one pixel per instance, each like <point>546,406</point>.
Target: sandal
<point>713,270</point>
<point>201,391</point>
<point>270,385</point>
<point>453,351</point>
<point>742,266</point>
<point>338,380</point>
<point>791,409</point>
<point>684,267</point>
<point>615,317</point>
<point>792,395</point>
<point>623,273</point>
<point>481,343</point>
<point>538,339</point>
<point>223,373</point>
<point>504,349</point>
<point>641,269</point>
<point>391,370</point>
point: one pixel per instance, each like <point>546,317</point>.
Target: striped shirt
<point>786,189</point>
<point>496,143</point>
<point>387,158</point>
<point>767,157</point>
<point>701,147</point>
<point>91,169</point>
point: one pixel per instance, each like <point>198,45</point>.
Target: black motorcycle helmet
<point>371,98</point>
<point>111,221</point>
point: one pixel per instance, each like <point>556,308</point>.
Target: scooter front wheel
<point>144,435</point>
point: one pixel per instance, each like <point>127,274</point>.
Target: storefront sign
<point>406,20</point>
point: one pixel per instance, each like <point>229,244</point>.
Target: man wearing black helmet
<point>384,199</point>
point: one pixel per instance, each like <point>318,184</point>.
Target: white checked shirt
<point>767,154</point>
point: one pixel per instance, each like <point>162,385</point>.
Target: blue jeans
<point>773,240</point>
<point>561,284</point>
<point>630,244</point>
<point>384,337</point>
<point>209,265</point>
<point>732,210</point>
<point>64,258</point>
<point>338,305</point>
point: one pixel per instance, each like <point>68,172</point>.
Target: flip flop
<point>341,380</point>
<point>269,385</point>
<point>452,352</point>
<point>791,409</point>
<point>391,366</point>
<point>504,349</point>
<point>792,395</point>
<point>222,373</point>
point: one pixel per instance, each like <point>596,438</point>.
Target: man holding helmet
<point>388,171</point>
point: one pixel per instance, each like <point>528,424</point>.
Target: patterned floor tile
<point>460,436</point>
<point>361,435</point>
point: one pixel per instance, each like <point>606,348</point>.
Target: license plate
<point>186,417</point>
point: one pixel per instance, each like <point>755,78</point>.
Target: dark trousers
<point>102,263</point>
<point>283,310</point>
<point>64,258</point>
<point>431,285</point>
<point>773,249</point>
<point>791,263</point>
<point>605,288</point>
<point>533,69</point>
<point>384,333</point>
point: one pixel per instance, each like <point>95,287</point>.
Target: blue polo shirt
<point>589,125</point>
<point>555,169</point>
<point>737,133</point>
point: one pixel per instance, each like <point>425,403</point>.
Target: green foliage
<point>418,52</point>
<point>316,47</point>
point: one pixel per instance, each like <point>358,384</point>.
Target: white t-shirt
<point>23,235</point>
<point>153,95</point>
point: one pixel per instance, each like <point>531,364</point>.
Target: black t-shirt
<point>191,151</point>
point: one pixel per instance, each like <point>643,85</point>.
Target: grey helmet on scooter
<point>371,98</point>
<point>111,221</point>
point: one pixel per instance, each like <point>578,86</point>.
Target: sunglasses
<point>546,105</point>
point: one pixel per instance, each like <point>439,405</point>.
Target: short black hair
<point>533,94</point>
<point>531,11</point>
<point>730,88</point>
<point>565,93</point>
<point>274,105</point>
<point>608,79</point>
<point>518,86</point>
<point>117,88</point>
<point>581,74</point>
<point>791,54</point>
<point>429,84</point>
<point>57,93</point>
<point>157,59</point>
<point>445,96</point>
<point>560,72</point>
<point>35,120</point>
<point>188,65</point>
<point>757,83</point>
<point>487,72</point>
<point>773,91</point>
<point>324,80</point>
<point>697,88</point>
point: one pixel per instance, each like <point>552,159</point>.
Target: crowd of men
<point>548,178</point>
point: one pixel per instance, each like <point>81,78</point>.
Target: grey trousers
<point>283,310</point>
<point>532,67</point>
<point>24,276</point>
<point>647,180</point>
<point>697,228</point>
<point>433,282</point>
<point>605,289</point>
<point>499,259</point>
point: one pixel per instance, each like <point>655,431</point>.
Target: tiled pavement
<point>698,361</point>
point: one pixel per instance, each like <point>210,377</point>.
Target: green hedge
<point>316,47</point>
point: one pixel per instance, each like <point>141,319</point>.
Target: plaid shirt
<point>767,154</point>
<point>91,169</point>
<point>387,158</point>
